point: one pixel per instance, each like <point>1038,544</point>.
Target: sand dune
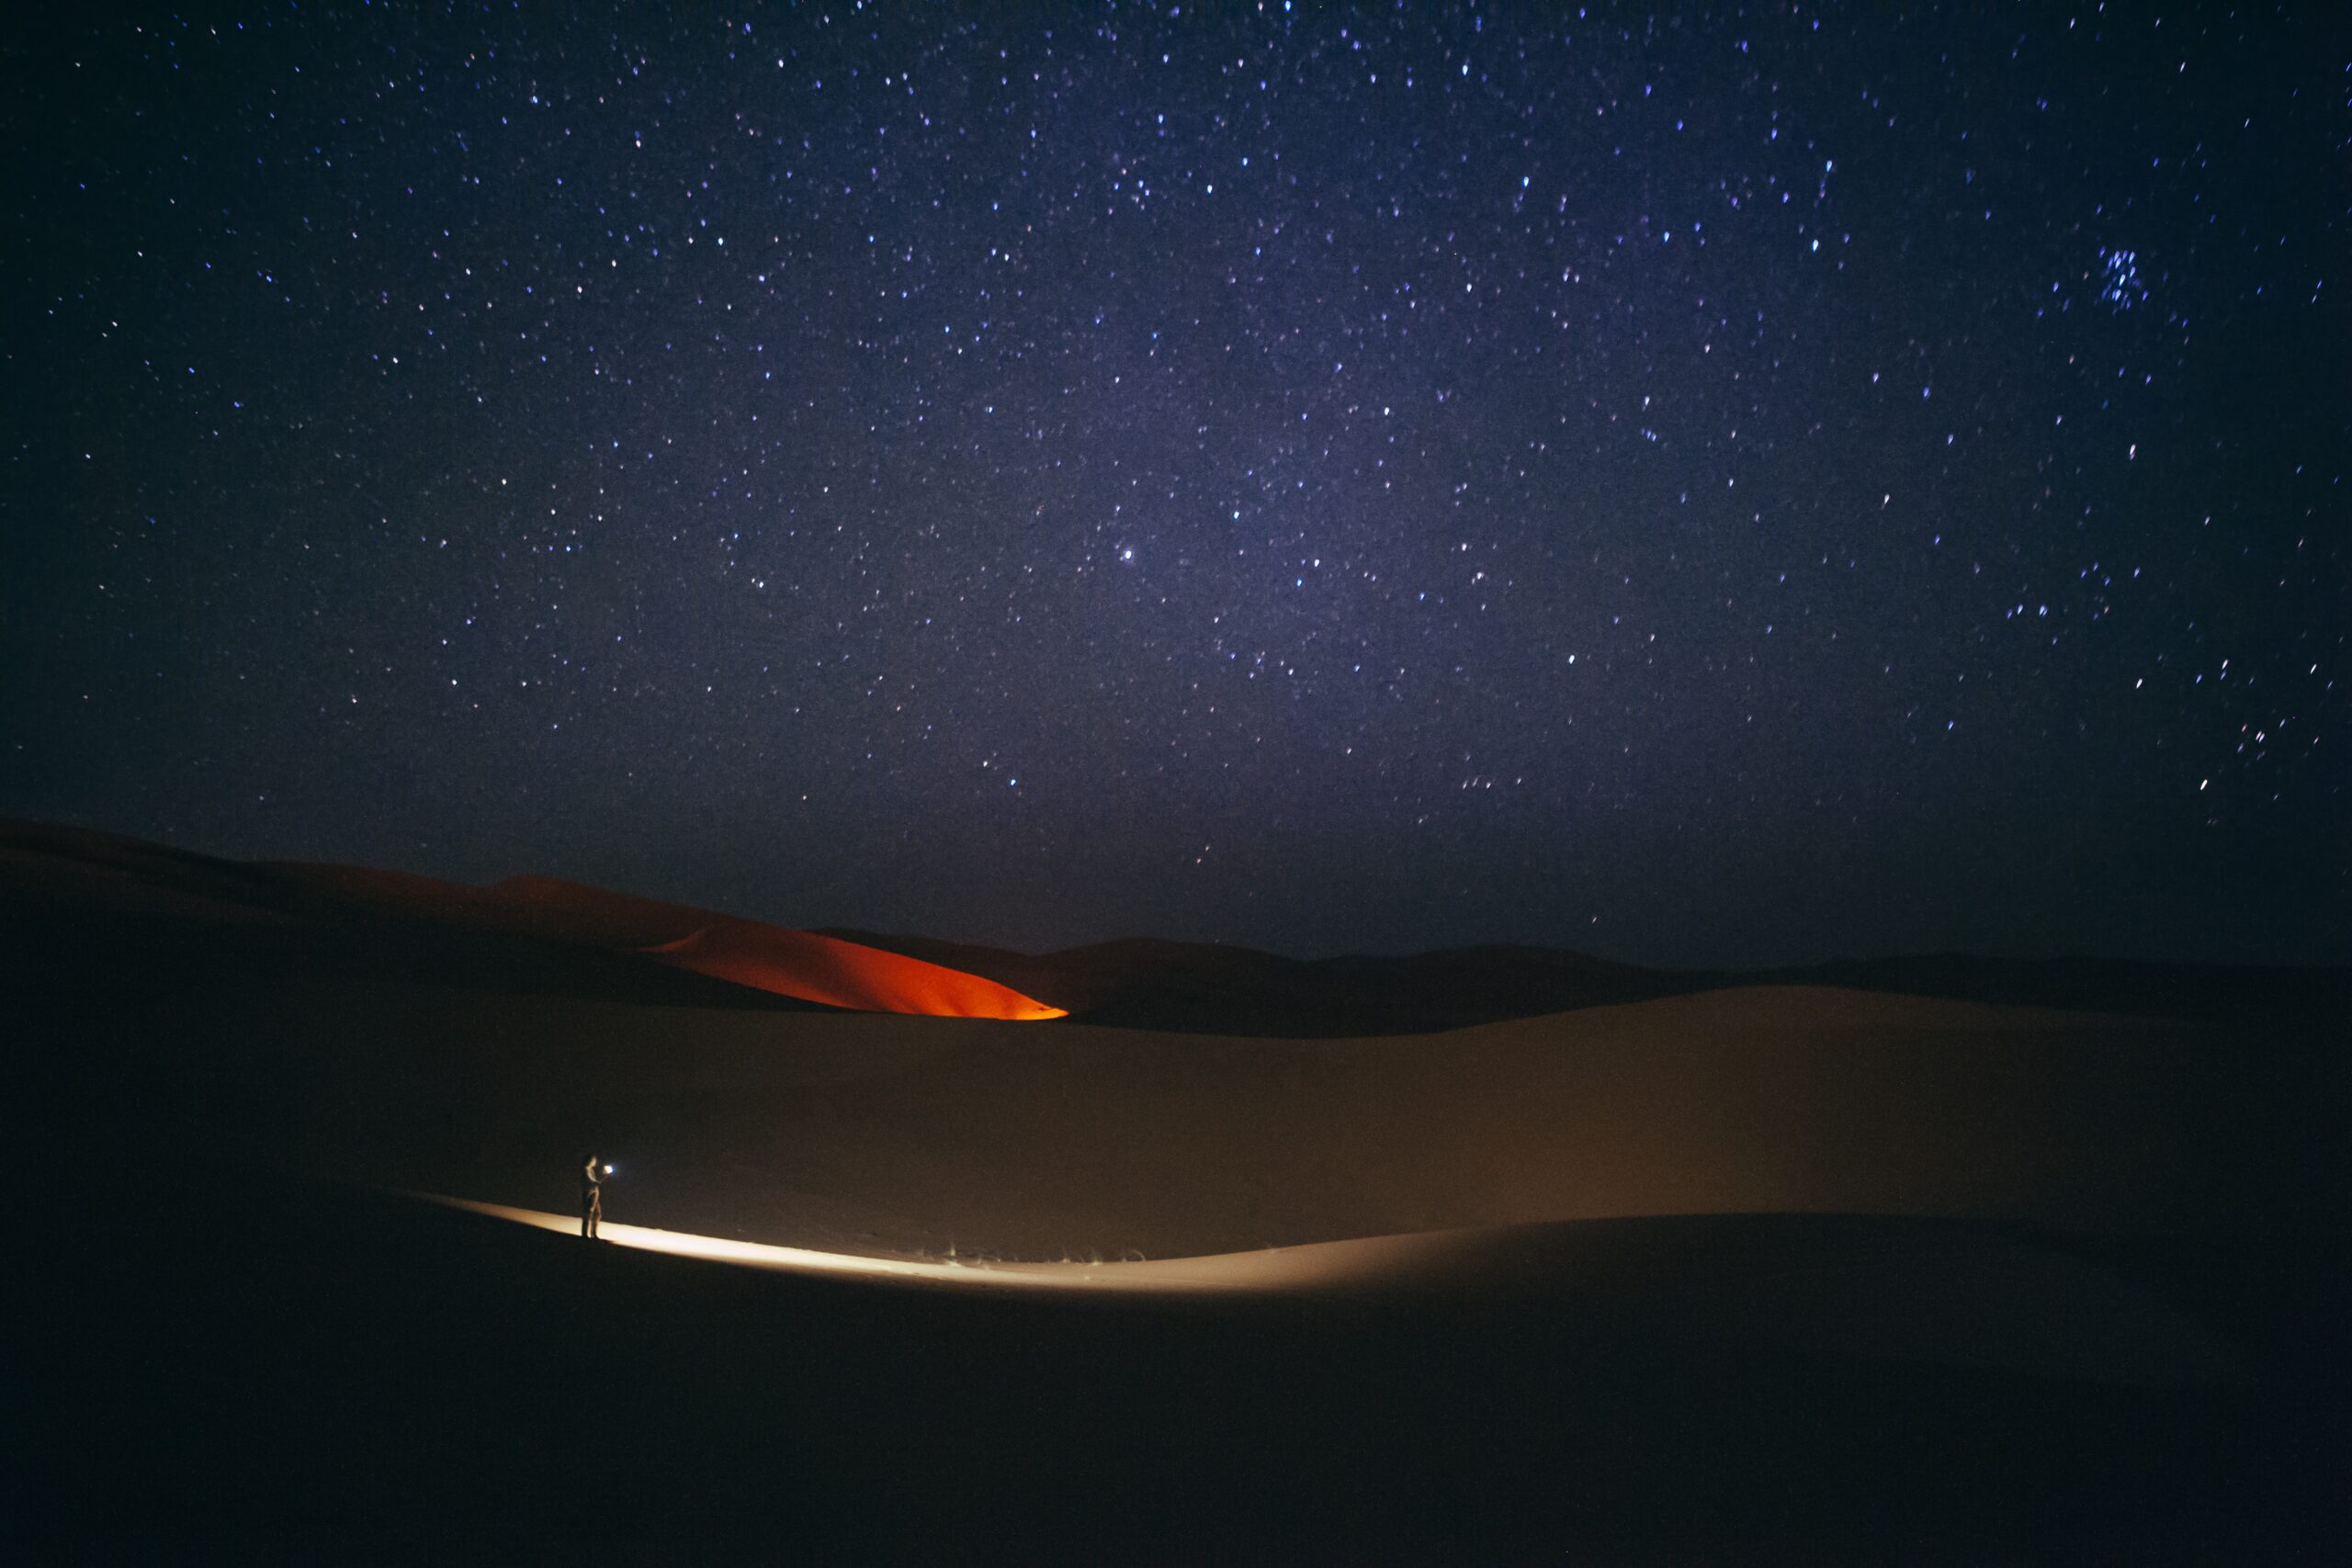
<point>1915,1293</point>
<point>1201,988</point>
<point>1838,1187</point>
<point>861,1132</point>
<point>867,1133</point>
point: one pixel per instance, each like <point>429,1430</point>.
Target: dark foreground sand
<point>322,1375</point>
<point>1768,1272</point>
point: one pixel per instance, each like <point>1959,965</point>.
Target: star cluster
<point>1708,487</point>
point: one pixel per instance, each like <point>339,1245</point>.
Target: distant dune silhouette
<point>1210,988</point>
<point>548,935</point>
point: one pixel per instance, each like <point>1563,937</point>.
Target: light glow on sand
<point>1272,1268</point>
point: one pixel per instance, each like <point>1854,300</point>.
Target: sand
<point>1852,1272</point>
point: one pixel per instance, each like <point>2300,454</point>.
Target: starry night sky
<point>1712,487</point>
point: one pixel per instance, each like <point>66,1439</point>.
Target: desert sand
<point>1033,1140</point>
<point>293,1124</point>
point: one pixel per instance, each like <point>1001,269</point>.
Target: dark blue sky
<point>1715,487</point>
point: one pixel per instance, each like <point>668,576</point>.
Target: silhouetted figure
<point>593,1172</point>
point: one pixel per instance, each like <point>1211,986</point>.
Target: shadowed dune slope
<point>1213,988</point>
<point>312,1367</point>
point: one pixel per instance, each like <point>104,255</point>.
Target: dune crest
<point>841,974</point>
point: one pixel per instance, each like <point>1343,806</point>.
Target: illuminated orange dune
<point>841,974</point>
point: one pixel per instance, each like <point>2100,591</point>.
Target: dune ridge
<point>1895,1290</point>
<point>567,938</point>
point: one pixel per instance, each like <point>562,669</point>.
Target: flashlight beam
<point>1315,1264</point>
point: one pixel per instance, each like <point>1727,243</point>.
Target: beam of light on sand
<point>1938,1295</point>
<point>1316,1264</point>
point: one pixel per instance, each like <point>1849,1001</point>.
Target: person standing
<point>593,1172</point>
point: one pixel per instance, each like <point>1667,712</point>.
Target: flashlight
<point>609,1170</point>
